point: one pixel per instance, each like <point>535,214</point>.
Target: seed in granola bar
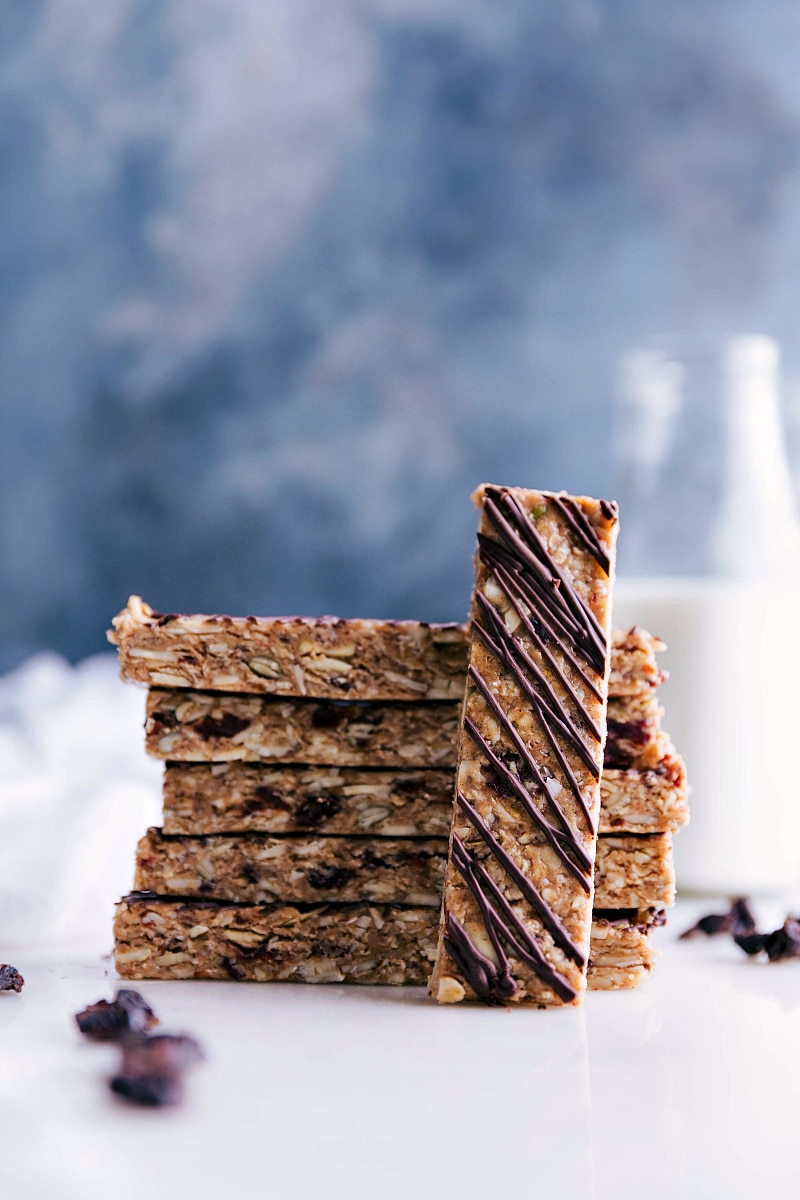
<point>112,1020</point>
<point>10,979</point>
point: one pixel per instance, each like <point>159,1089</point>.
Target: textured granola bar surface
<point>218,727</point>
<point>353,943</point>
<point>634,871</point>
<point>190,726</point>
<point>325,656</point>
<point>303,869</point>
<point>235,797</point>
<point>242,797</point>
<point>650,801</point>
<point>261,868</point>
<point>291,656</point>
<point>635,737</point>
<point>162,938</point>
<point>634,668</point>
<point>517,900</point>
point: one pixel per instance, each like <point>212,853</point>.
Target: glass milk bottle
<point>709,559</point>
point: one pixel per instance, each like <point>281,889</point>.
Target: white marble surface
<point>686,1090</point>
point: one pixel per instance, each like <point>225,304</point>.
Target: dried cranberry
<point>151,1072</point>
<point>329,878</point>
<point>316,809</point>
<point>10,979</point>
<point>228,725</point>
<point>111,1020</point>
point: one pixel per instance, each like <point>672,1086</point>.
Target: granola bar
<point>259,798</point>
<point>325,657</point>
<point>162,938</point>
<point>621,937</point>
<point>634,669</point>
<point>651,801</point>
<point>352,943</point>
<point>635,737</point>
<point>517,902</point>
<point>634,871</point>
<point>189,726</point>
<point>621,953</point>
<point>217,727</point>
<point>260,869</point>
<point>617,979</point>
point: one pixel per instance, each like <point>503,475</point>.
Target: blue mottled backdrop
<point>282,280</point>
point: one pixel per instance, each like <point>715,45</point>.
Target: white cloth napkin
<point>76,792</point>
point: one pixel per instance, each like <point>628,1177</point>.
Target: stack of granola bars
<point>308,793</point>
<point>307,796</point>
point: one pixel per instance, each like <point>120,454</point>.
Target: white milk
<point>732,710</point>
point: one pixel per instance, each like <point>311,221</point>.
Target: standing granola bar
<point>517,902</point>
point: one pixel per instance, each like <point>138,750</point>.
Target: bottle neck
<point>757,533</point>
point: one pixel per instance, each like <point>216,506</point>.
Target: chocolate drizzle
<point>492,980</point>
<point>582,868</point>
<point>546,915</point>
<point>586,533</point>
<point>554,618</point>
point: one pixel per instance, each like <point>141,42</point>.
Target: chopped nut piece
<point>267,668</point>
<point>449,991</point>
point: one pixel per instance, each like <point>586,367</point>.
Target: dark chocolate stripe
<point>532,537</point>
<point>579,869</point>
<point>545,914</point>
<point>503,509</point>
<point>582,859</point>
<point>580,526</point>
<point>559,624</point>
<point>541,585</point>
<point>478,970</point>
<point>500,982</point>
<point>511,582</point>
<point>504,655</point>
<point>507,588</point>
<point>513,650</point>
<point>529,536</point>
<point>521,940</point>
<point>569,774</point>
